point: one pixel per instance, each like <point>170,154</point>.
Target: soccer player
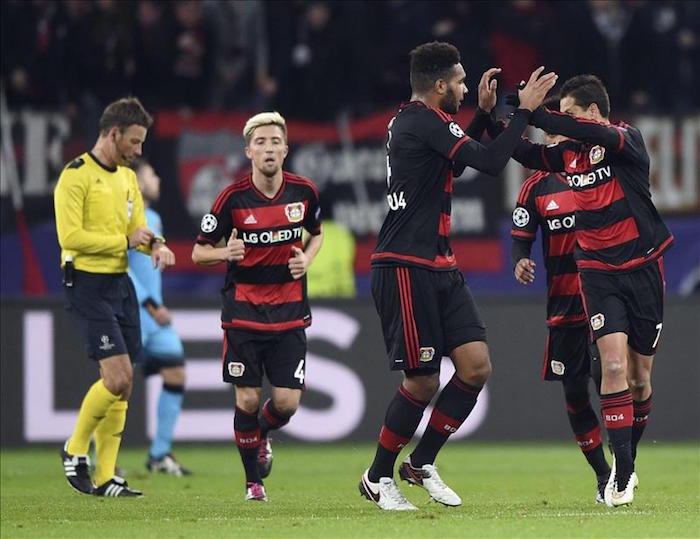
<point>255,226</point>
<point>546,202</point>
<point>162,350</point>
<point>425,307</point>
<point>620,240</point>
<point>99,217</point>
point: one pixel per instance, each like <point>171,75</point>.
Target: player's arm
<point>588,131</point>
<point>302,259</point>
<point>69,202</point>
<point>487,101</point>
<point>218,240</point>
<point>523,232</point>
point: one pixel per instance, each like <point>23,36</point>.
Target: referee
<point>99,216</point>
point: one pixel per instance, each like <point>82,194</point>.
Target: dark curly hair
<point>123,113</point>
<point>587,89</point>
<point>430,62</point>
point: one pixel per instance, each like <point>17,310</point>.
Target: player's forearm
<point>534,156</point>
<point>493,159</point>
<point>313,247</point>
<point>478,124</point>
<point>519,249</point>
<point>207,255</point>
<point>587,131</point>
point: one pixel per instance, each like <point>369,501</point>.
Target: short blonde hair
<point>264,118</point>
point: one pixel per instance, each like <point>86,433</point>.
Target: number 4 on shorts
<point>299,372</point>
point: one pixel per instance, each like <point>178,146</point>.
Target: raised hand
<point>298,263</point>
<point>534,92</point>
<point>487,89</point>
<point>162,256</point>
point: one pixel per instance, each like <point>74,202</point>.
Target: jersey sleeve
<point>312,220</point>
<point>619,139</point>
<point>69,201</point>
<point>218,223</point>
<point>449,140</point>
<point>540,156</point>
<point>525,218</point>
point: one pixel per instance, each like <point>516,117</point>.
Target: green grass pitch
<point>509,490</point>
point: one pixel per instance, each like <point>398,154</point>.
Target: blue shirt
<point>146,278</point>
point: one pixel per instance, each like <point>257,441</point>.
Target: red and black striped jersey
<point>607,167</point>
<point>425,150</point>
<point>546,202</point>
<point>260,293</point>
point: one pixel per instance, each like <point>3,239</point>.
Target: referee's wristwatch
<point>157,239</point>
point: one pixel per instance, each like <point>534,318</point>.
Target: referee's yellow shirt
<point>96,208</point>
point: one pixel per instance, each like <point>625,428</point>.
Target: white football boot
<point>385,493</point>
<point>427,477</point>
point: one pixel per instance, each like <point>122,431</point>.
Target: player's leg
<point>604,300</point>
<point>242,367</point>
<point>646,323</point>
<point>464,336</point>
<point>165,355</point>
<point>285,366</point>
<point>586,428</point>
<point>405,299</point>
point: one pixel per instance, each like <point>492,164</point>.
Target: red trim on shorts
<point>409,323</point>
<point>630,264</point>
<point>263,326</point>
<point>441,261</point>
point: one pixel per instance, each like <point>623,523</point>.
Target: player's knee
<point>638,387</point>
<point>248,401</point>
<point>614,368</point>
<point>422,387</point>
<point>477,372</point>
<point>287,407</point>
<point>174,376</point>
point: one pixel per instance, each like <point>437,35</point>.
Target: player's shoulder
<point>301,181</point>
<point>534,183</point>
<point>77,168</point>
<point>628,129</point>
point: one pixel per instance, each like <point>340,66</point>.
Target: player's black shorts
<point>631,303</point>
<point>280,356</point>
<point>105,310</point>
<point>568,354</point>
<point>425,315</point>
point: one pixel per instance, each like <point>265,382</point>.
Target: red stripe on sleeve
<point>454,149</point>
<point>523,234</point>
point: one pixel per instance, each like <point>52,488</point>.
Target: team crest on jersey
<point>557,367</point>
<point>236,369</point>
<point>427,353</point>
<point>209,223</point>
<point>597,321</point>
<point>521,217</point>
<point>596,155</point>
<point>456,130</point>
<point>294,211</point>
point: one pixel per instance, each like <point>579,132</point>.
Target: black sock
<point>617,414</point>
<point>584,424</point>
<point>453,406</point>
<point>400,423</point>
<point>641,417</point>
<point>271,418</point>
<point>246,429</point>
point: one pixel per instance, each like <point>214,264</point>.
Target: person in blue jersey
<point>162,348</point>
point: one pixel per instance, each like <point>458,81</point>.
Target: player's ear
<point>247,152</point>
<point>440,86</point>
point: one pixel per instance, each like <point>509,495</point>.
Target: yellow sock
<point>93,409</point>
<point>108,437</point>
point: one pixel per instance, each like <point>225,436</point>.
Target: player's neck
<point>268,186</point>
<point>427,100</point>
<point>102,153</point>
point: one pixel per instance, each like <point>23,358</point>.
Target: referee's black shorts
<point>105,310</point>
<point>425,315</point>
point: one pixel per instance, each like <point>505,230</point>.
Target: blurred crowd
<point>315,60</point>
